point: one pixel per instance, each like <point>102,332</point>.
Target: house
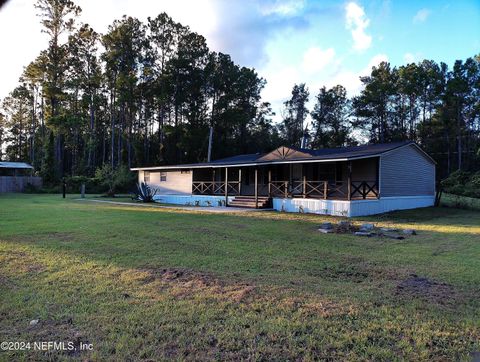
<point>15,176</point>
<point>346,181</point>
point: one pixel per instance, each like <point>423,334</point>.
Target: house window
<point>184,171</point>
<point>146,176</point>
<point>163,176</point>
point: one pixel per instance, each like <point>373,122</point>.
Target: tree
<point>373,107</point>
<point>295,112</point>
<point>331,125</point>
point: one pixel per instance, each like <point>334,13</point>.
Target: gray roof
<point>21,165</point>
<point>294,155</point>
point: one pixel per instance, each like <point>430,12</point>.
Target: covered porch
<point>339,180</point>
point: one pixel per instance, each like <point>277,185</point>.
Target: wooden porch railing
<point>364,189</point>
<point>310,189</point>
<point>215,187</point>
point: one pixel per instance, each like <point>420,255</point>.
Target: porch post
<point>304,174</point>
<point>349,180</point>
<point>269,182</point>
<point>226,186</point>
<point>378,176</point>
<point>213,182</point>
<point>240,181</point>
<point>256,187</point>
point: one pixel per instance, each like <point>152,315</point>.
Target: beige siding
<point>406,172</point>
<point>177,183</point>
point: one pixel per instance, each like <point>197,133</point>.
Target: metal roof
<point>21,165</point>
<point>279,156</point>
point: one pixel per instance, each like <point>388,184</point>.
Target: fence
<point>18,183</point>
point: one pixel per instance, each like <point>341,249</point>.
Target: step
<point>251,197</point>
<point>245,203</point>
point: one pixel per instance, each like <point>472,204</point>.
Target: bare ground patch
<point>433,291</point>
<point>188,284</point>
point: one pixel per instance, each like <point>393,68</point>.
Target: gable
<point>284,153</point>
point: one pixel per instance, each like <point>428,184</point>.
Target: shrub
<point>463,184</point>
<point>116,180</point>
<point>144,193</point>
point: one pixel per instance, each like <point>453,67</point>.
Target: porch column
<point>269,182</point>
<point>304,174</point>
<point>349,180</point>
<point>378,176</point>
<point>213,182</point>
<point>240,181</point>
<point>256,187</point>
<point>226,186</point>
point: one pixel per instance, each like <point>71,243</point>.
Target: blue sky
<point>287,41</point>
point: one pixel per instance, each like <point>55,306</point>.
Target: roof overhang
<point>249,164</point>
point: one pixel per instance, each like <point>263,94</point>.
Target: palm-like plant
<point>144,192</point>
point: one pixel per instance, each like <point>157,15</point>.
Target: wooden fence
<point>18,183</point>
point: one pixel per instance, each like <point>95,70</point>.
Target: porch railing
<point>215,187</point>
<point>305,188</point>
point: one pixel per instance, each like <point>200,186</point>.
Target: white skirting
<point>354,207</point>
<point>192,200</point>
<point>314,206</point>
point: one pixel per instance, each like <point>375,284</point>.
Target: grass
<point>152,283</point>
<point>451,200</point>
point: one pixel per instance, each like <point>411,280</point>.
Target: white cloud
<point>315,59</point>
<point>409,58</point>
<point>357,22</point>
<point>421,15</point>
<point>282,7</point>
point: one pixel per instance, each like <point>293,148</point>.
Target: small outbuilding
<point>345,181</point>
<point>15,176</point>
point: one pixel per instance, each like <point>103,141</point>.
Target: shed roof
<point>296,155</point>
<point>20,165</point>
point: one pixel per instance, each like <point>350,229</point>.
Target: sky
<point>317,42</point>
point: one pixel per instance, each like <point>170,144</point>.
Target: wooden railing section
<point>215,187</point>
<point>305,188</point>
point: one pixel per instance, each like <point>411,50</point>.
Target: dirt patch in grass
<point>359,272</point>
<point>430,290</point>
<point>187,284</point>
<point>22,262</point>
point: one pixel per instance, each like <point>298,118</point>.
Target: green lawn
<point>151,283</point>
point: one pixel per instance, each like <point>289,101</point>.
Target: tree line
<point>149,93</point>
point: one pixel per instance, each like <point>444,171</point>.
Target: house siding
<point>177,183</point>
<point>406,172</point>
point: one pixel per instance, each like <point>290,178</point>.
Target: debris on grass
<point>367,227</point>
<point>365,230</point>
<point>363,233</point>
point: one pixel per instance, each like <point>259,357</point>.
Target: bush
<point>463,184</point>
<point>113,181</point>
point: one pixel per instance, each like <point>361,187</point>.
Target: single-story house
<point>346,181</point>
<point>15,176</point>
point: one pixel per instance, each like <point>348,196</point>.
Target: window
<point>146,176</point>
<point>163,176</point>
<point>184,171</point>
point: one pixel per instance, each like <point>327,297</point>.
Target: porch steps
<point>249,202</point>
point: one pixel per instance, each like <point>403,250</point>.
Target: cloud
<point>315,59</point>
<point>282,7</point>
<point>421,15</point>
<point>409,58</point>
<point>357,22</point>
